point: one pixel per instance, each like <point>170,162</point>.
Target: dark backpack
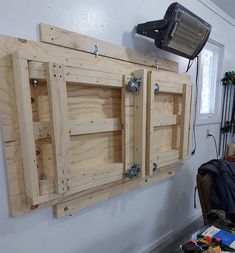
<point>216,187</point>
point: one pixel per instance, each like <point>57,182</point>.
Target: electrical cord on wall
<point>190,63</point>
<point>216,147</point>
<point>195,113</point>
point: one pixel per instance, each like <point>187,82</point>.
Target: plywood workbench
<point>71,129</point>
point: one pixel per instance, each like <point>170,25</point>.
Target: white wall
<point>133,222</point>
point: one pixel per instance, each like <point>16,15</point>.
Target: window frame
<point>211,118</point>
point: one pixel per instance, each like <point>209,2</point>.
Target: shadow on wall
<point>178,205</point>
<point>184,182</point>
<point>138,42</point>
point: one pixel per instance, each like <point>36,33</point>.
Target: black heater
<point>180,32</point>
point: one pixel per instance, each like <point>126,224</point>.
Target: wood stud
<point>23,99</point>
<point>59,124</point>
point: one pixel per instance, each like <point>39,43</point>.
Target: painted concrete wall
<point>138,220</point>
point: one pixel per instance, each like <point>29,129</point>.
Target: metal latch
<point>134,84</point>
<point>134,170</point>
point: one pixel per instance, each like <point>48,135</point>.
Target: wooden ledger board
<point>72,130</point>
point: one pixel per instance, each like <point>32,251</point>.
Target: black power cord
<point>190,63</point>
<point>216,148</point>
<point>195,113</point>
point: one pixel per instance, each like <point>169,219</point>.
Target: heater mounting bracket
<point>149,29</point>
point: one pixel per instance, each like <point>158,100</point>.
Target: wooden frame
<point>31,61</point>
<point>56,83</point>
<point>174,100</point>
<point>60,128</point>
<point>23,99</point>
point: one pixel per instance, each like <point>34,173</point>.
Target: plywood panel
<point>162,139</point>
<point>86,103</point>
<point>95,149</point>
<point>8,112</point>
<point>163,104</point>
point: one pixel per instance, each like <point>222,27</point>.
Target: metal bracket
<point>156,88</point>
<point>134,84</point>
<point>96,50</point>
<point>154,167</point>
<point>134,170</point>
<point>149,29</point>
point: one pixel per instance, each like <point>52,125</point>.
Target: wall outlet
<point>207,133</point>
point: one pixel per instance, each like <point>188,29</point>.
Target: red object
<point>218,241</point>
<point>209,239</point>
<point>231,159</point>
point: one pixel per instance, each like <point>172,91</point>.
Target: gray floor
<point>171,245</point>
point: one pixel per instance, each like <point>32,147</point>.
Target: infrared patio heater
<point>180,31</point>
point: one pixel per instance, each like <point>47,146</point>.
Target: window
<point>209,83</point>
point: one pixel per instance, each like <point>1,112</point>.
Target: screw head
<point>154,167</point>
<point>156,88</point>
<point>34,82</point>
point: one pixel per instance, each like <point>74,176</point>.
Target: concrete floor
<point>172,245</point>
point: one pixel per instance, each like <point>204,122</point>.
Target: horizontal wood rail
<point>77,127</point>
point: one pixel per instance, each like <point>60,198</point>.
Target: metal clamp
<point>156,88</point>
<point>134,170</point>
<point>134,84</point>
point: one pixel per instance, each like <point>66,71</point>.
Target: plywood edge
<point>72,206</point>
<point>61,37</point>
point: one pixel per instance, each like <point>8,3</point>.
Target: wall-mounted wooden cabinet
<point>80,129</point>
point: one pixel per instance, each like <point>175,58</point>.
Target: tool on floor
<point>191,247</point>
